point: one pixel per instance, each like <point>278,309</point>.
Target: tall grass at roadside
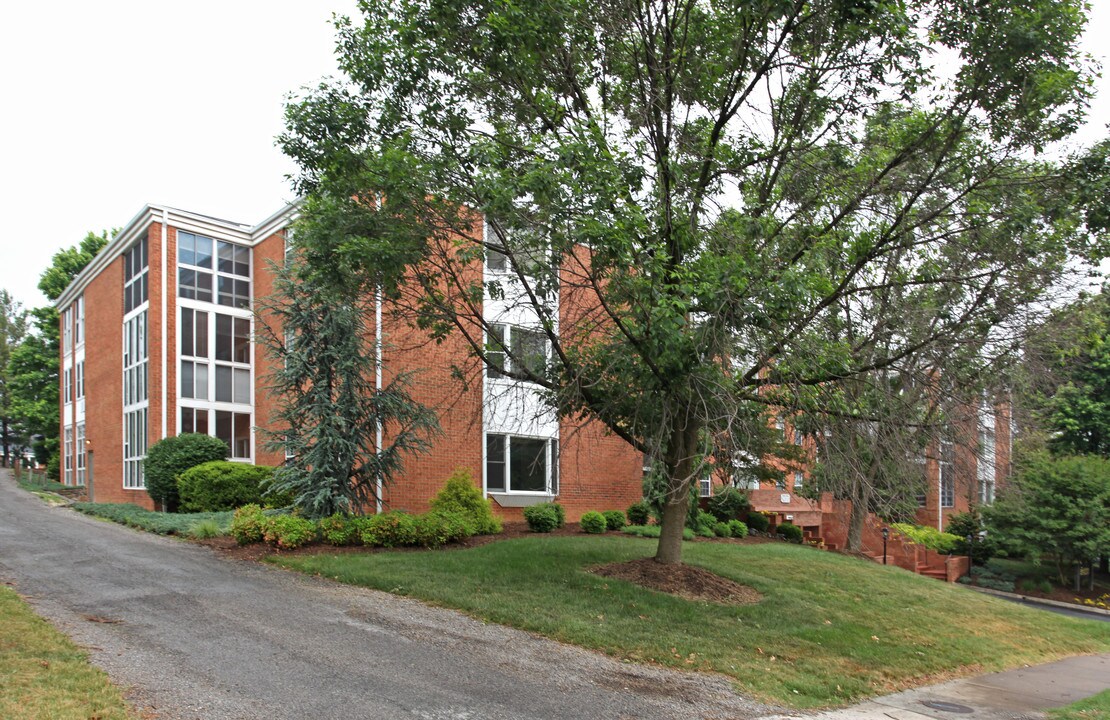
<point>44,675</point>
<point>831,630</point>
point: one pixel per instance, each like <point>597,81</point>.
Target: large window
<point>522,464</point>
<point>985,462</point>
<point>79,321</point>
<point>220,370</point>
<point>79,383</point>
<point>80,448</point>
<point>213,271</point>
<point>67,385</point>
<point>947,475</point>
<point>67,331</point>
<point>235,430</point>
<point>135,291</point>
<point>135,360</point>
<point>528,347</point>
<point>134,448</point>
<point>67,456</point>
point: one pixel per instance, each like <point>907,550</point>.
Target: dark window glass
<point>527,464</point>
<point>223,383</point>
<point>224,337</point>
<point>242,340</point>
<point>530,349</point>
<point>187,332</point>
<point>495,462</point>
<point>186,248</point>
<point>494,354</point>
<point>204,252</point>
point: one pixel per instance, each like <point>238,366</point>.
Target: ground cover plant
<point>47,676</point>
<point>158,522</point>
<point>830,630</point>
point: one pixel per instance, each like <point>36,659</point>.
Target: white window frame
<point>508,364</point>
<point>67,455</point>
<point>946,475</point>
<point>79,447</point>
<point>79,323</point>
<point>799,479</point>
<point>551,469</point>
<point>136,370</point>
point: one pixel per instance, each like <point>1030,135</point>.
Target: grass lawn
<point>44,676</point>
<point>1093,708</point>
<point>831,630</point>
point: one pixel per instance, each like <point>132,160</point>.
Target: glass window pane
<point>201,381</point>
<point>527,464</point>
<point>185,246</point>
<point>204,252</point>
<point>202,335</point>
<point>223,383</point>
<point>186,283</point>
<point>242,261</point>
<point>187,332</point>
<point>224,337</point>
<point>242,293</point>
<point>495,462</point>
<point>494,354</point>
<point>223,427</point>
<point>241,444</point>
<point>242,350</point>
<point>242,386</point>
<point>187,420</point>
<point>186,379</point>
<point>201,420</point>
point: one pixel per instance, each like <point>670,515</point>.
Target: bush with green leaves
<point>639,513</point>
<point>221,485</point>
<point>246,524</point>
<point>389,529</point>
<point>439,527</point>
<point>738,529</point>
<point>983,548</point>
<point>593,522</point>
<point>652,531</point>
<point>543,518</point>
<point>928,537</point>
<point>790,531</point>
<point>703,524</point>
<point>758,521</point>
<point>614,519</point>
<point>169,457</point>
<point>151,520</point>
<point>728,503</point>
<point>460,495</point>
<point>338,529</point>
<point>722,530</point>
<point>288,531</point>
<point>204,529</point>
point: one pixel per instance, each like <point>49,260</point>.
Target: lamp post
<point>886,536</point>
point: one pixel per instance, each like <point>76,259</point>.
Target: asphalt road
<point>191,634</point>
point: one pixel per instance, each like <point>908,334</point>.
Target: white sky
<point>111,105</point>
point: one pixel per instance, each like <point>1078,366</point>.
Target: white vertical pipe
<point>165,324</point>
<point>378,379</point>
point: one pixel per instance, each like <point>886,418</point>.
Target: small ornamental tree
<point>330,407</point>
<point>169,457</point>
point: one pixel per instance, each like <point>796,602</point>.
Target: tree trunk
<point>858,518</point>
<point>681,452</point>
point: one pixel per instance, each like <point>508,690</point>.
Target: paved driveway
<point>192,634</point>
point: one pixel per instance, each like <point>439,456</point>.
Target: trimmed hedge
<point>639,513</point>
<point>221,485</point>
<point>593,522</point>
<point>930,537</point>
<point>460,495</point>
<point>728,503</point>
<point>790,531</point>
<point>545,517</point>
<point>169,457</point>
<point>614,519</point>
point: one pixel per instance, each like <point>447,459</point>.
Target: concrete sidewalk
<point>1012,695</point>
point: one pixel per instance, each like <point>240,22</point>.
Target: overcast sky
<point>111,105</point>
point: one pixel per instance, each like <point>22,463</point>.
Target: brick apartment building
<point>158,339</point>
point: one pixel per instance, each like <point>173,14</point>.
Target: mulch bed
<point>685,581</point>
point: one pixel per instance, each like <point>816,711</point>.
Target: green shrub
<point>561,513</point>
<point>758,521</point>
<point>928,537</point>
<point>703,524</point>
<point>739,529</point>
<point>790,531</point>
<point>221,485</point>
<point>205,529</point>
<point>728,503</point>
<point>639,513</point>
<point>439,527</point>
<point>169,457</point>
<point>969,523</point>
<point>272,498</point>
<point>542,518</point>
<point>1043,586</point>
<point>614,519</point>
<point>653,531</point>
<point>593,522</point>
<point>288,531</point>
<point>246,524</point>
<point>993,584</point>
<point>460,495</point>
<point>722,529</point>
<point>389,529</point>
<point>338,529</point>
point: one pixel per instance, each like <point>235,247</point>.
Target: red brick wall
<point>267,253</point>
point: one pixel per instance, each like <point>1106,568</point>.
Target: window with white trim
<point>528,346</point>
<point>213,270</point>
<point>799,479</point>
<point>235,430</point>
<point>80,448</point>
<point>947,474</point>
<point>67,456</point>
<point>135,290</point>
<point>705,485</point>
<point>136,391</point>
<point>134,448</point>
<point>67,385</point>
<point>67,331</point>
<point>79,322</point>
<point>522,464</point>
<point>79,382</point>
<point>985,460</point>
<point>780,429</point>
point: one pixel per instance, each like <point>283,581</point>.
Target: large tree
<point>35,361</point>
<point>706,186</point>
<point>13,326</point>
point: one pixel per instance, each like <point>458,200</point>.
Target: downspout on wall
<point>378,381</point>
<point>165,325</point>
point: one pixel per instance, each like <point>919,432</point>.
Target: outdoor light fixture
<point>886,536</point>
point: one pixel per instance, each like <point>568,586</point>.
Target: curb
<point>1039,601</point>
